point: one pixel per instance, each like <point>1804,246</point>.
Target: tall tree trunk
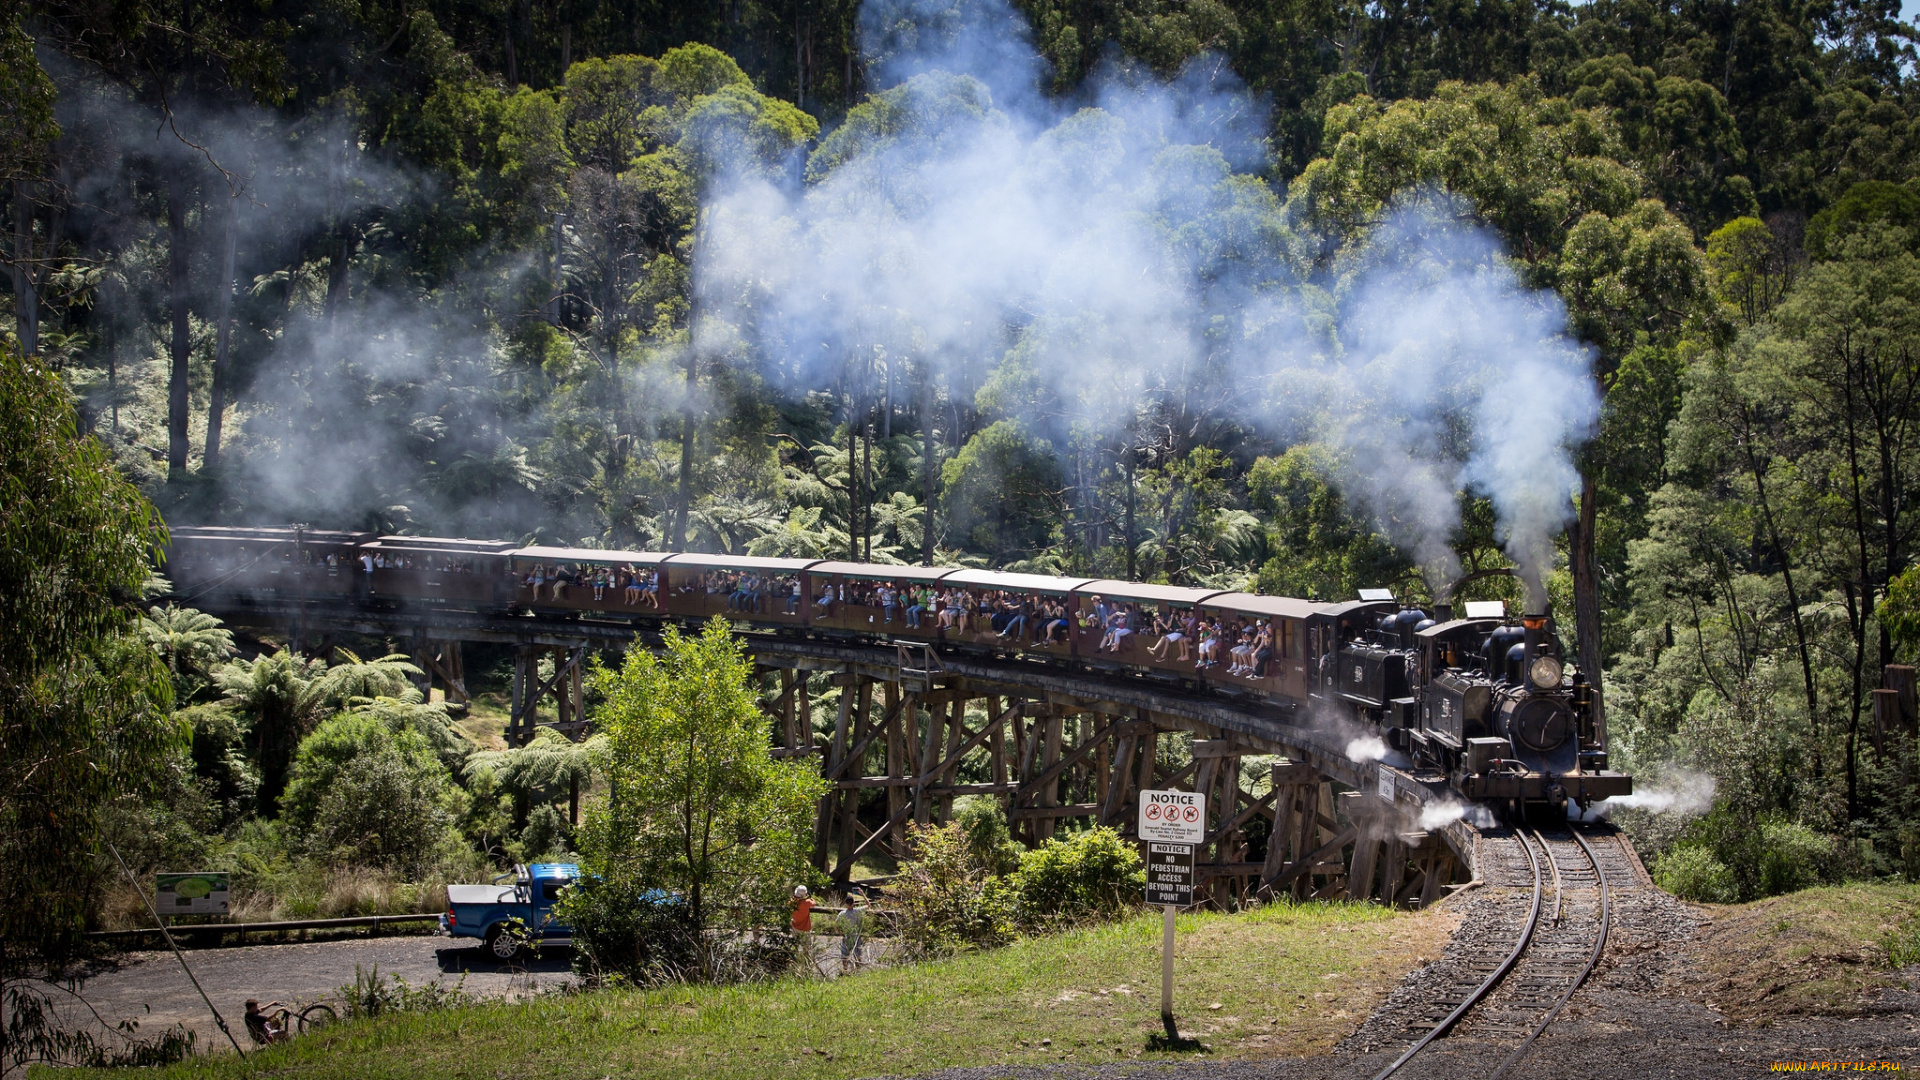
<point>686,453</point>
<point>26,293</point>
<point>927,453</point>
<point>1586,596</point>
<point>338,243</point>
<point>1793,596</point>
<point>223,336</point>
<point>177,289</point>
<point>1132,466</point>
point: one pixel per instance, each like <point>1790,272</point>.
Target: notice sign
<point>1173,817</point>
<point>190,894</point>
<point>1169,874</point>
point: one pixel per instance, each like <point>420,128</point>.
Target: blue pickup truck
<point>527,894</point>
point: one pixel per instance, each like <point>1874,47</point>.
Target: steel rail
<point>1599,947</point>
<point>1559,894</point>
<point>1492,980</point>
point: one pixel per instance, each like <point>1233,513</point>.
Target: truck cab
<point>527,894</point>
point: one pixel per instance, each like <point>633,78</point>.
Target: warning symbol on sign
<point>1173,817</point>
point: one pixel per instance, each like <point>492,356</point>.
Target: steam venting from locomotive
<point>1083,248</point>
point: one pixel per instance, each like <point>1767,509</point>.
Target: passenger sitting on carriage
<point>1168,627</point>
<point>1242,654</point>
<point>1262,653</point>
<point>561,579</point>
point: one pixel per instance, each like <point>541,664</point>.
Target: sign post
<point>1171,824</point>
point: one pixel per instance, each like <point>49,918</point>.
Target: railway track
<point>1531,940</point>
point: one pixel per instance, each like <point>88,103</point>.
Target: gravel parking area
<point>150,988</point>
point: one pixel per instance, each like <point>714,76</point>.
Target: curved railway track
<point>1537,940</point>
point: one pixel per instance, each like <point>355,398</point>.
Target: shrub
<point>373,994</point>
<point>990,844</point>
<point>1094,875</point>
<point>946,903</point>
<point>1791,856</point>
<point>336,743</point>
<point>383,809</point>
<point>546,835</point>
<point>624,932</point>
<point>1690,872</point>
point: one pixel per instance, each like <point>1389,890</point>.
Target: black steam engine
<point>1489,702</point>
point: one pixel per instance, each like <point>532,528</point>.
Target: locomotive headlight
<point>1545,672</point>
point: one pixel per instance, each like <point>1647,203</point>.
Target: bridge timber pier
<point>903,730</point>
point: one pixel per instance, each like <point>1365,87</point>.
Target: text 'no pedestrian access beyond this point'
<point>1173,817</point>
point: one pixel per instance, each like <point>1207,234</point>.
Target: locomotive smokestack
<point>1536,634</point>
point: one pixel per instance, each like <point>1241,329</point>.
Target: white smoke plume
<point>1118,249</point>
<point>1365,749</point>
<point>1685,793</point>
<point>1439,815</point>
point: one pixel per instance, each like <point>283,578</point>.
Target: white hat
<point>799,892</point>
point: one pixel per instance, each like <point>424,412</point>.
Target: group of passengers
<point>1247,648</point>
<point>635,586</point>
<point>381,560</point>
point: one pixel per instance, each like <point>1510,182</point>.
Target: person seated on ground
<point>261,1024</point>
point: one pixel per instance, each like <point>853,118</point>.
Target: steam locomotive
<point>1484,702</point>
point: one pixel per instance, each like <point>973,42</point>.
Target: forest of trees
<point>1226,292</point>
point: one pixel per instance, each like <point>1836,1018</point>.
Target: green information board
<point>204,893</point>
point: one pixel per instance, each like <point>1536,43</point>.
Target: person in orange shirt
<point>803,924</point>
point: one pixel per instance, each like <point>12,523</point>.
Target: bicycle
<point>285,1022</point>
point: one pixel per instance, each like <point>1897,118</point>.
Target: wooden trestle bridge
<point>1056,745</point>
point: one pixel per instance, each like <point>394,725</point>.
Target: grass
<point>485,721</point>
<point>1281,980</point>
<point>1820,952</point>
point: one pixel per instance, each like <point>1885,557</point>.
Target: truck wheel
<point>501,945</point>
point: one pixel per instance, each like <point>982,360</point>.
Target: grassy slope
<point>1282,980</point>
<point>1820,952</point>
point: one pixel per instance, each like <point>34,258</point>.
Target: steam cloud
<point>1121,252</point>
<point>1687,793</point>
<point>1104,252</point>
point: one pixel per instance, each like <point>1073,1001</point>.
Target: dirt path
<point>149,986</point>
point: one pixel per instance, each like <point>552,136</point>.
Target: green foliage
<point>696,804</point>
<point>84,710</point>
<point>1324,551</point>
<point>1091,875</point>
<point>373,994</point>
<point>1866,208</point>
<point>947,902</point>
<point>1731,856</point>
<point>1691,872</point>
<point>625,931</point>
<point>190,641</point>
<point>991,849</point>
<point>366,790</point>
<point>1001,492</point>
